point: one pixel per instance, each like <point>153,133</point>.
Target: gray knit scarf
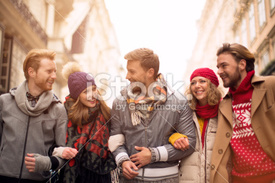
<point>24,105</point>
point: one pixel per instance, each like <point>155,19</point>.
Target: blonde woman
<point>205,101</point>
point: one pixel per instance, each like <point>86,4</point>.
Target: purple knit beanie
<point>207,73</point>
<point>79,81</point>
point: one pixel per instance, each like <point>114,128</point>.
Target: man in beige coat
<point>244,150</point>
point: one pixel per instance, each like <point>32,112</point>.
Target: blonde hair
<point>214,95</point>
<point>147,58</point>
<point>34,57</point>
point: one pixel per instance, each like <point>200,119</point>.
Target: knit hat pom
<point>69,68</point>
<point>77,81</point>
<point>207,73</point>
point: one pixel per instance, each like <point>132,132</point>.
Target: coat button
<point>212,167</point>
<point>220,151</point>
<point>227,134</point>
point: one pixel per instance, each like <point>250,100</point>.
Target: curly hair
<point>214,95</point>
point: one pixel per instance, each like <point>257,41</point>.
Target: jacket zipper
<point>24,150</point>
<point>146,145</point>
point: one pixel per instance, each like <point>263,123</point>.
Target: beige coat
<point>196,167</point>
<point>262,121</point>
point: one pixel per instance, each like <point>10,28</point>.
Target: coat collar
<point>257,96</point>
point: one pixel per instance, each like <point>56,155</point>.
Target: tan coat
<point>262,121</point>
<point>196,167</point>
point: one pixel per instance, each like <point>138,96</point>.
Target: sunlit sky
<point>168,27</point>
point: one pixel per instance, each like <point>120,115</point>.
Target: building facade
<point>248,22</point>
<point>78,30</point>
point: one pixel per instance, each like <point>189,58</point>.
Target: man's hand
<point>37,163</point>
<point>182,143</point>
<point>30,162</point>
<point>69,153</point>
<point>129,169</point>
<point>142,158</point>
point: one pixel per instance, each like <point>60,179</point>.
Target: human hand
<point>181,143</point>
<point>37,162</point>
<point>69,153</point>
<point>30,162</point>
<point>129,169</point>
<point>141,158</point>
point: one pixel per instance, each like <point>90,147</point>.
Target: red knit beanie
<point>207,73</point>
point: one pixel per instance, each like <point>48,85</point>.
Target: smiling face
<point>88,97</point>
<point>199,88</point>
<point>136,73</point>
<point>228,70</point>
<point>42,79</point>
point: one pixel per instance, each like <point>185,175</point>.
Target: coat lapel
<point>258,94</point>
<point>257,97</point>
<point>226,109</point>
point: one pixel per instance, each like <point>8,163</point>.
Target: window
<point>261,8</point>
<point>265,60</point>
<point>251,22</point>
<point>5,65</point>
<point>78,39</point>
<point>244,34</point>
<point>18,56</point>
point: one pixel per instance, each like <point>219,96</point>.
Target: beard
<point>43,85</point>
<point>233,79</point>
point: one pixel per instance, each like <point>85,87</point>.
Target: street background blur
<point>98,33</point>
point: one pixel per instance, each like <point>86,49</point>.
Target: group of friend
<point>160,136</point>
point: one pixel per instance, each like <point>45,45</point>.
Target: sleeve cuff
<point>121,157</point>
<point>175,136</point>
<point>58,151</point>
<point>55,162</point>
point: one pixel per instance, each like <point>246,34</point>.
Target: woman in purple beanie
<point>204,98</point>
<point>87,131</point>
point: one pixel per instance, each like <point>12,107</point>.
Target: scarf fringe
<point>136,118</point>
<point>160,97</point>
